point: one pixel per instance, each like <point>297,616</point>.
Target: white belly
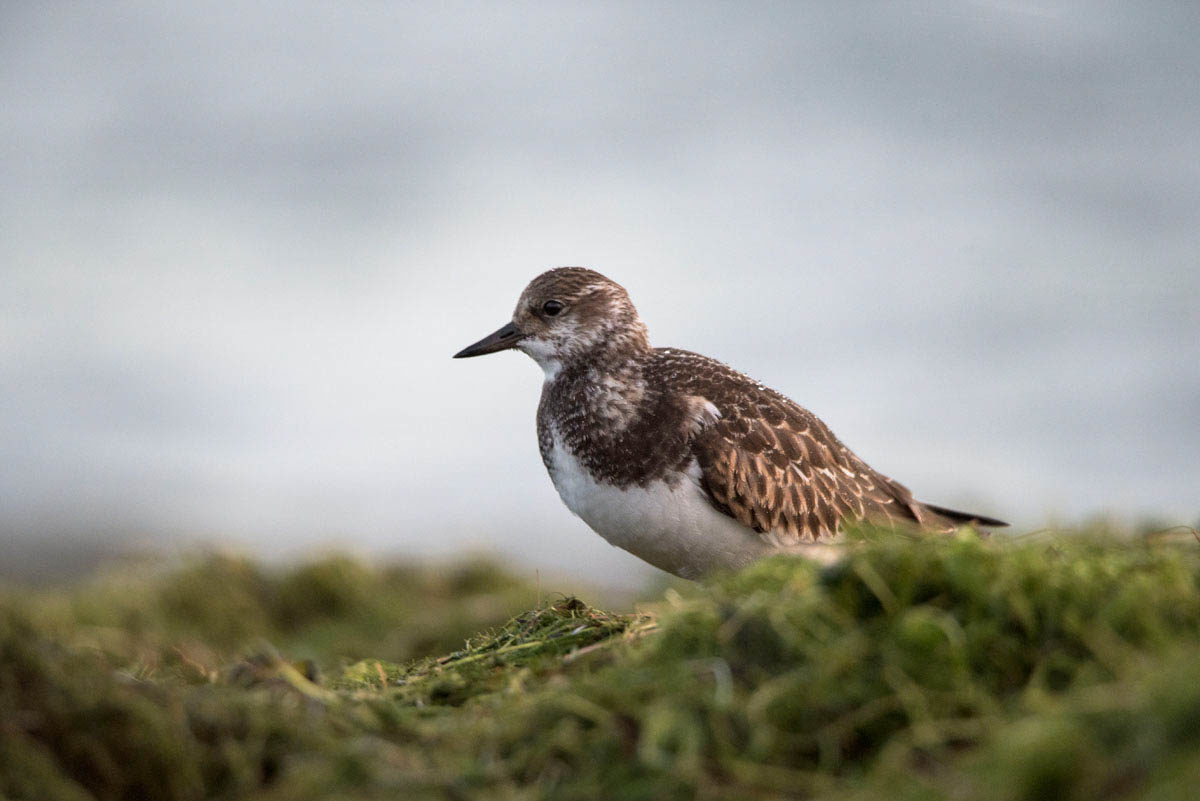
<point>671,527</point>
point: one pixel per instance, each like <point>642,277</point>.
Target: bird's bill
<point>503,338</point>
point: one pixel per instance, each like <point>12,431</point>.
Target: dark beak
<point>501,339</point>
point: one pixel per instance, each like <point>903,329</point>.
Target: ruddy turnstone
<point>677,458</point>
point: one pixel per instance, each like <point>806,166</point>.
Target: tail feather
<point>964,517</point>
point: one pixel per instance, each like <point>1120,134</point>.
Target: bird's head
<point>566,316</point>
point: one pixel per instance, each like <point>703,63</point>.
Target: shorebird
<point>677,458</point>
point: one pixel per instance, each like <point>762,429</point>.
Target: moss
<point>918,670</point>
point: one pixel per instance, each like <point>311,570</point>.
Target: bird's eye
<point>552,307</point>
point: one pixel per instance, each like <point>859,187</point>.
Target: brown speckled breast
<point>624,437</point>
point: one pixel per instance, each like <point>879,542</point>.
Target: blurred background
<point>239,245</point>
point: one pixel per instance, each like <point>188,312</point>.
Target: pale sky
<point>238,247</point>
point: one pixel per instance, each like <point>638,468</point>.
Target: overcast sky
<point>239,245</point>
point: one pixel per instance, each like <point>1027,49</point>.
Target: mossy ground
<point>1055,668</point>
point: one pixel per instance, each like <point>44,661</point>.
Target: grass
<point>1055,668</point>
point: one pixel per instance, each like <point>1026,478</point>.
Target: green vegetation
<point>936,669</point>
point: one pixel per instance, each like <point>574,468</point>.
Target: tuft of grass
<point>1004,670</point>
<point>527,646</point>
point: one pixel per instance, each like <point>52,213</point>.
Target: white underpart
<point>674,528</point>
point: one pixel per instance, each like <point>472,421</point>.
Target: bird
<point>678,458</point>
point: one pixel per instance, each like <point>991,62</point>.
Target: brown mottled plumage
<point>633,436</point>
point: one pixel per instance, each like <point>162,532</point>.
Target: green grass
<point>1060,668</point>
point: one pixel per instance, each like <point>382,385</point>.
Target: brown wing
<point>776,468</point>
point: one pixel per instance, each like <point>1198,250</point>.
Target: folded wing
<point>776,468</point>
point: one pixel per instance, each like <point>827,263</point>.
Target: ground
<point>1051,667</point>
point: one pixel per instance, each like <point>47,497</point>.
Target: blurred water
<point>239,246</point>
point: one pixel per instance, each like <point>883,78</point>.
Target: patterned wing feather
<point>775,467</point>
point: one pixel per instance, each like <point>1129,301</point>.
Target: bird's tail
<point>955,516</point>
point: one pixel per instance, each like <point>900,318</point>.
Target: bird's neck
<point>608,389</point>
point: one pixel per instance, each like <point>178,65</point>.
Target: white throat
<point>544,354</point>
